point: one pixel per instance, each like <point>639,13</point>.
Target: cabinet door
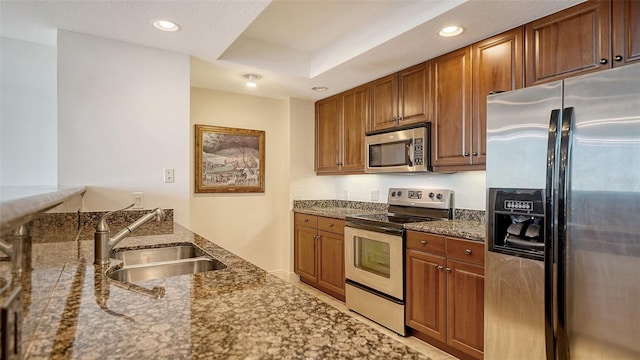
<point>414,94</point>
<point>304,249</point>
<point>328,135</point>
<point>331,263</point>
<point>465,307</point>
<point>626,32</point>
<point>498,64</point>
<point>384,103</point>
<point>570,42</point>
<point>452,108</point>
<point>355,115</point>
<point>425,288</point>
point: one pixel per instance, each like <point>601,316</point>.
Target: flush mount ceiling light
<point>165,25</point>
<point>252,77</point>
<point>451,31</point>
<point>319,88</point>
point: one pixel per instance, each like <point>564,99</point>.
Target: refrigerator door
<point>518,125</point>
<point>602,254</point>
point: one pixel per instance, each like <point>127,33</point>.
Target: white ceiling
<point>293,45</point>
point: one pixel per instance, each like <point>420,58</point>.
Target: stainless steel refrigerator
<point>563,219</point>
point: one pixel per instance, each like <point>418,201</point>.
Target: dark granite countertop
<point>466,229</point>
<point>240,312</point>
<point>20,204</point>
<point>335,212</point>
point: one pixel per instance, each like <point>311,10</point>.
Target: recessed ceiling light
<point>165,25</point>
<point>252,80</point>
<point>319,88</point>
<point>451,31</point>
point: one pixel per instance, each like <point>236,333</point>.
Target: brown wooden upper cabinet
<point>400,99</point>
<point>498,65</point>
<point>461,87</point>
<point>625,40</point>
<point>340,126</point>
<point>592,36</point>
<point>451,124</point>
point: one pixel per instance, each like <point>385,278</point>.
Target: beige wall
<point>255,226</point>
<point>123,116</point>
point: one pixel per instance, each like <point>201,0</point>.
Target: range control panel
<point>428,198</point>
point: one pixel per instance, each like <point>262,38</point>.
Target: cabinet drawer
<point>306,220</point>
<point>425,242</point>
<point>331,225</point>
<point>469,251</point>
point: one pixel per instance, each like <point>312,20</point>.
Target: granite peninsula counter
<point>240,312</point>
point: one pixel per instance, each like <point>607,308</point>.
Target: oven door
<point>375,260</point>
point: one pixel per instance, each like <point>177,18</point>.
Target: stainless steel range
<point>374,253</point>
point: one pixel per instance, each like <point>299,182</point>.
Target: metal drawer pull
<point>330,225</point>
<point>440,267</point>
<point>468,251</point>
<point>423,242</point>
<point>448,270</point>
<point>306,220</point>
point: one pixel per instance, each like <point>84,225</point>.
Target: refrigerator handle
<point>561,246</point>
<point>549,297</point>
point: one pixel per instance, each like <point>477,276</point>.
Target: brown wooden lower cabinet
<point>445,292</point>
<point>319,253</point>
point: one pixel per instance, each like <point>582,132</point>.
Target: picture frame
<point>229,160</point>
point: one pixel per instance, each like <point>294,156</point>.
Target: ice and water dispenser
<point>517,222</point>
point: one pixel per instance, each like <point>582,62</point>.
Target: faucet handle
<point>101,225</point>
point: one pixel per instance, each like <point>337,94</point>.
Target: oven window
<point>389,154</point>
<point>372,256</point>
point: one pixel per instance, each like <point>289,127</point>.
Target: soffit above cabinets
<point>293,45</point>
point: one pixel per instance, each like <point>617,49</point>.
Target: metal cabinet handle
<point>330,225</point>
<point>474,154</point>
<point>617,58</point>
<point>440,267</point>
<point>467,251</point>
<point>603,61</point>
<point>423,242</point>
<point>448,270</point>
<point>465,154</point>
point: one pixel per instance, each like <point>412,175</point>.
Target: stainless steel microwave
<point>399,151</point>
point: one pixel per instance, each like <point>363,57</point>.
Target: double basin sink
<point>161,261</point>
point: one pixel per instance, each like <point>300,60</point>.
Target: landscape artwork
<point>228,159</point>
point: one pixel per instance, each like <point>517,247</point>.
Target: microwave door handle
<point>410,152</point>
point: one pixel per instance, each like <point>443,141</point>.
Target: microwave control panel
<point>418,151</point>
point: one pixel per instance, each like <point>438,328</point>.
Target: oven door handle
<point>378,229</point>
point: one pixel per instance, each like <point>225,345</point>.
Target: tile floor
<point>410,341</point>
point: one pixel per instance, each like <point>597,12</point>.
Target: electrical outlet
<point>137,198</point>
<point>345,194</point>
<point>168,175</point>
<point>375,195</point>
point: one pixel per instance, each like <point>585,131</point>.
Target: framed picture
<point>229,160</point>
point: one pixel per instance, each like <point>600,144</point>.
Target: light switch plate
<point>168,175</point>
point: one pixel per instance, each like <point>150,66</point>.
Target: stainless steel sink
<point>157,253</point>
<point>161,261</point>
<point>158,270</point>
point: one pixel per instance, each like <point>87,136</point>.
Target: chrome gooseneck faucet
<point>104,242</point>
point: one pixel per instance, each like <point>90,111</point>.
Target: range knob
<point>431,195</point>
<point>399,193</point>
<point>393,193</point>
<point>439,196</point>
